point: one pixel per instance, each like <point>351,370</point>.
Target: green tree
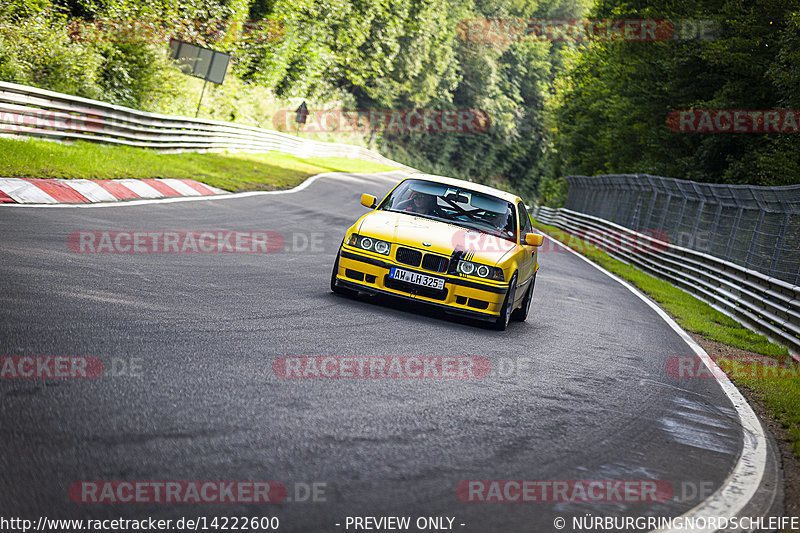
<point>615,97</point>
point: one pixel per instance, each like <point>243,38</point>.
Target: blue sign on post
<point>302,113</point>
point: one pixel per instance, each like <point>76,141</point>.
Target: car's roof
<point>507,196</point>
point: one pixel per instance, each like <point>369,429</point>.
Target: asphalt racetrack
<point>189,393</point>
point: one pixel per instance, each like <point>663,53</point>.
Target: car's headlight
<point>482,271</point>
<point>370,244</point>
<point>382,247</point>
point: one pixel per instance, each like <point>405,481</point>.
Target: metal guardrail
<point>766,304</point>
<point>30,111</point>
<point>755,227</point>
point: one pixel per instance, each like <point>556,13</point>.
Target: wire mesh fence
<point>755,227</point>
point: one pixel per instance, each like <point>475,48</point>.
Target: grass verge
<point>33,158</point>
<point>780,395</point>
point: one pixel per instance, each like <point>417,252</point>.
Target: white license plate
<point>417,279</point>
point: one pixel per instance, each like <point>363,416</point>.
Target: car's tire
<point>334,287</point>
<point>522,313</point>
<point>508,304</point>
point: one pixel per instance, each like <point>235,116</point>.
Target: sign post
<point>302,115</point>
<point>200,62</point>
<point>196,113</point>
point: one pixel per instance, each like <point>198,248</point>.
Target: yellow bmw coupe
<point>465,248</point>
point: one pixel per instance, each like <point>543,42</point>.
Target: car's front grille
<point>434,262</point>
<point>407,256</point>
<point>415,289</point>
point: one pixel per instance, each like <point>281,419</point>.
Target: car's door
<point>527,263</point>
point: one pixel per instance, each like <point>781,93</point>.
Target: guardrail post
<point>762,209</point>
<point>678,220</point>
<point>652,203</point>
<point>732,238</point>
<point>779,247</point>
<point>696,224</point>
<point>715,223</point>
<point>752,248</point>
<point>636,184</point>
<point>635,217</point>
<point>664,213</point>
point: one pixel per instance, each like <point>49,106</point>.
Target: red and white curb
<point>81,191</point>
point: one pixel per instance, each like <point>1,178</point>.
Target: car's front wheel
<point>334,287</point>
<point>522,313</point>
<point>508,305</point>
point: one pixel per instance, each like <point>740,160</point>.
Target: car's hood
<point>443,238</point>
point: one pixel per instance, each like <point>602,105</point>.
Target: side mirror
<point>534,239</point>
<point>367,200</point>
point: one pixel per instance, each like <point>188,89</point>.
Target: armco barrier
<point>30,111</point>
<point>754,226</point>
<point>765,304</point>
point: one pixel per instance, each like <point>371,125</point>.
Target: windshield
<point>464,207</point>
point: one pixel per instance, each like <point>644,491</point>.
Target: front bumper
<point>462,296</point>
